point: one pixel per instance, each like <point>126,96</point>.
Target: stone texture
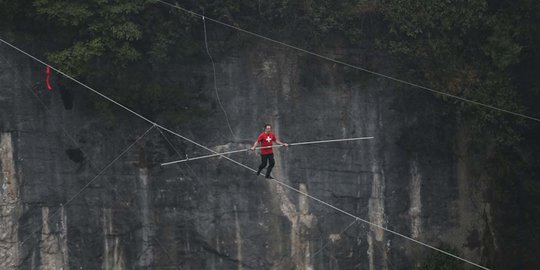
<point>213,214</point>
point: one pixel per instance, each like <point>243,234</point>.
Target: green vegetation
<point>466,48</point>
<point>122,48</point>
<point>469,49</point>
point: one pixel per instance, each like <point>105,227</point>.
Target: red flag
<point>48,72</point>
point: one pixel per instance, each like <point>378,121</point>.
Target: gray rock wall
<point>213,214</point>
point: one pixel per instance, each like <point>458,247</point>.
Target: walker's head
<point>267,127</point>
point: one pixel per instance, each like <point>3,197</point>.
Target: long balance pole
<point>244,150</point>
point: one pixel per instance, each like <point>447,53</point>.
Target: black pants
<point>264,160</point>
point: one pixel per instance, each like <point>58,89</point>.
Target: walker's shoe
<point>269,177</point>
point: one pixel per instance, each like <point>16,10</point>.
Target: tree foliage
<point>469,48</point>
<point>464,48</point>
<point>119,46</point>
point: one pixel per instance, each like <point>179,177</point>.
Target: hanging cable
<point>215,81</point>
<point>355,66</point>
<point>88,183</point>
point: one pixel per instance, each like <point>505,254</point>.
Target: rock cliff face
<point>213,214</point>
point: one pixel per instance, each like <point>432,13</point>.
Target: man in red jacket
<point>266,138</point>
